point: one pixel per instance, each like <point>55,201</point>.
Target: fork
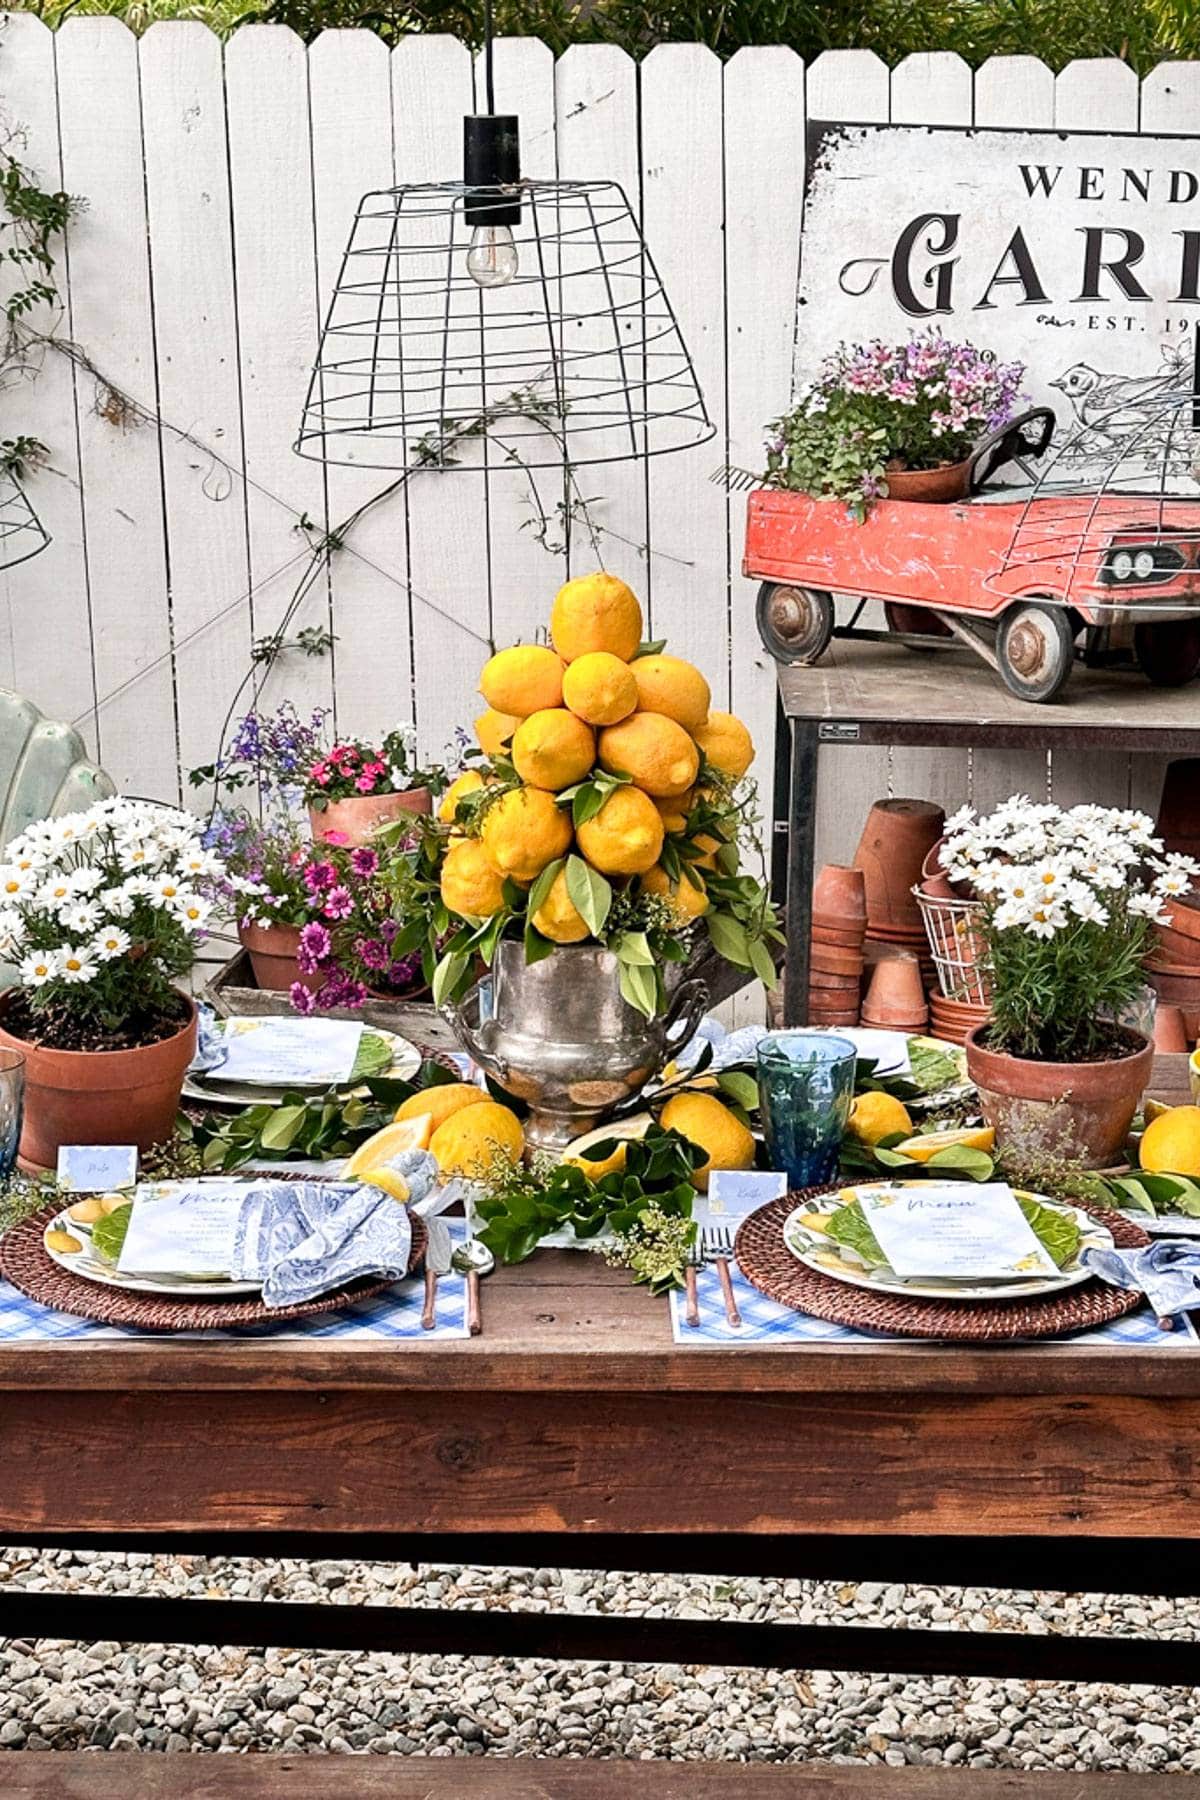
<point>716,1243</point>
<point>695,1260</point>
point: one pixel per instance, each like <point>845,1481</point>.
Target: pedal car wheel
<point>1169,653</point>
<point>917,621</point>
<point>794,623</point>
<point>1036,648</point>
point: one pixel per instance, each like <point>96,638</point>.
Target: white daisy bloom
<point>16,882</point>
<point>110,943</point>
<point>1047,920</point>
<point>39,967</point>
<point>192,911</point>
<point>12,933</point>
<point>1147,906</point>
<point>166,889</point>
<point>81,916</point>
<point>86,880</point>
<point>1087,907</point>
<point>54,894</point>
<point>77,964</point>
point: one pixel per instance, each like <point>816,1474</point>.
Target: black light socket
<point>491,163</point>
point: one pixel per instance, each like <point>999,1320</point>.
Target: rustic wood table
<point>574,1433</point>
<point>872,694</point>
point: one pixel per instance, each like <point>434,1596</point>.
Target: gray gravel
<point>57,1696</point>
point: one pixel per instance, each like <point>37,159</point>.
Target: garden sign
<point>1077,253</point>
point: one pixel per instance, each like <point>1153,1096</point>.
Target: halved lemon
<point>926,1144</point>
<point>392,1141</point>
<point>577,1152</point>
<point>387,1180</point>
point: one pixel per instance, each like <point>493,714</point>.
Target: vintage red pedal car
<point>1021,575</point>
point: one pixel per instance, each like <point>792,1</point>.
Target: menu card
<point>952,1230</point>
<point>280,1051</point>
<point>182,1228</point>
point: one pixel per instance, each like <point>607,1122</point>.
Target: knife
<point>437,1263</point>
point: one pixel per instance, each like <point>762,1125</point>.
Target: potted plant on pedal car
<point>102,914</point>
<point>1069,902</point>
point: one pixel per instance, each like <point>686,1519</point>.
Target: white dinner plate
<point>815,1252</point>
<point>209,1088</point>
<point>88,1263</point>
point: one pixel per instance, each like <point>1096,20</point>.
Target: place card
<point>182,1228</point>
<point>735,1193</point>
<point>96,1168</point>
<point>947,1229</point>
<point>280,1051</point>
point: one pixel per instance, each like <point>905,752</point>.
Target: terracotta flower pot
<point>828,981</point>
<point>895,986</point>
<point>1079,1111</point>
<point>98,1096</point>
<point>1170,1033</point>
<point>1185,918</point>
<point>1175,949</point>
<point>840,893</point>
<point>838,940</point>
<point>273,953</point>
<point>949,482</point>
<point>837,961</point>
<point>354,822</point>
<point>1175,987</point>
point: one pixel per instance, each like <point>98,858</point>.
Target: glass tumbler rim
<point>11,1060</point>
<point>770,1048</point>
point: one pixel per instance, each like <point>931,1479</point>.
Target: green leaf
<point>639,986</point>
<point>279,1133</point>
<point>633,947</point>
<point>975,1163</point>
<point>542,885</point>
<point>740,1087</point>
<point>108,1233</point>
<point>587,803</point>
<point>649,647</point>
<point>447,976</point>
<point>589,893</point>
<point>762,962</point>
<point>729,938</point>
<point>537,947</point>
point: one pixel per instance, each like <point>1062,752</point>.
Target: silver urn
<point>561,1037</point>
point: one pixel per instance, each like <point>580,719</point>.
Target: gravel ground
<point>59,1696</point>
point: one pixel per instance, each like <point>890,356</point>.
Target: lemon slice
<point>1154,1109</point>
<point>392,1141</point>
<point>390,1182</point>
<point>927,1144</point>
<point>577,1152</point>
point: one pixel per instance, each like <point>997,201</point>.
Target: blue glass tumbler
<point>12,1107</point>
<point>805,1089</point>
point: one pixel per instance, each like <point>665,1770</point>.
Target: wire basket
<point>957,946</point>
<point>22,533</point>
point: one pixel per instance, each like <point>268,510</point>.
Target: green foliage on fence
<point>1140,32</point>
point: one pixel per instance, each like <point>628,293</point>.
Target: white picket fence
<point>220,181</point>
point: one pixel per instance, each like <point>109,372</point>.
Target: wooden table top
<point>951,697</point>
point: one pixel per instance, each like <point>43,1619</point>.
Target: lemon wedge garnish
<point>927,1144</point>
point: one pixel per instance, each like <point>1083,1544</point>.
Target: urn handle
<point>687,1008</point>
<point>474,1038</point>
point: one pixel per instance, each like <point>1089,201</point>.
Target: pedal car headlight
<point>1122,565</point>
<point>1143,565</point>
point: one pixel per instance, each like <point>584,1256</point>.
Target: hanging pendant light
<point>22,533</point>
<point>526,312</point>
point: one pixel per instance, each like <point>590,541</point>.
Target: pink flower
<point>365,783</point>
<point>319,876</point>
<point>339,903</point>
<point>315,945</point>
<point>364,863</point>
<point>336,838</point>
<point>320,775</point>
<point>302,1000</point>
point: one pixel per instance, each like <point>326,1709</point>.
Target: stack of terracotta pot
<point>895,997</point>
<point>896,839</point>
<point>1174,968</point>
<point>839,925</point>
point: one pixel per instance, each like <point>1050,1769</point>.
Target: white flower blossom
<point>110,943</point>
<point>77,964</point>
<point>39,967</point>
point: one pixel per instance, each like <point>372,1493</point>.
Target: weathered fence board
<point>221,181</point>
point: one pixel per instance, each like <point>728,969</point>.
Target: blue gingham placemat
<point>768,1322</point>
<point>395,1313</point>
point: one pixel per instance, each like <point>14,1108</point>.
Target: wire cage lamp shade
<point>531,318</point>
<point>22,533</point>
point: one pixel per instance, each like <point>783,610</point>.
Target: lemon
<point>596,612</point>
<point>553,749</point>
<point>86,1212</point>
<point>625,1129</point>
<point>687,901</point>
<point>674,811</point>
<point>393,1140</point>
<point>470,1140</point>
<point>493,731</point>
<point>710,845</point>
<point>1154,1109</point>
<point>471,884</point>
<point>524,831</point>
<point>469,782</point>
<point>600,688</point>
<point>522,680</point>
<point>726,744</point>
<point>927,1144</point>
<point>1171,1143</point>
<point>437,1103</point>
<point>874,1116</point>
<point>719,1132</point>
<point>388,1181</point>
<point>626,835</point>
<point>556,918</point>
<point>673,687</point>
<point>63,1242</point>
<point>656,752</point>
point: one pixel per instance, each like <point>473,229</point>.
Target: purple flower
<point>364,863</point>
<point>301,998</point>
<point>339,990</point>
<point>315,945</point>
<point>372,953</point>
<point>319,876</point>
<point>339,903</point>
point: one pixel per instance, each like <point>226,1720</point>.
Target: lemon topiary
<point>471,1140</point>
<point>494,730</point>
<point>553,749</point>
<point>596,612</point>
<point>524,831</point>
<point>626,835</point>
<point>523,679</point>
<point>1171,1143</point>
<point>718,1131</point>
<point>687,901</point>
<point>726,744</point>
<point>878,1115</point>
<point>674,810</point>
<point>673,687</point>
<point>471,884</point>
<point>469,782</point>
<point>438,1103</point>
<point>600,688</point>
<point>656,752</point>
<point>556,918</point>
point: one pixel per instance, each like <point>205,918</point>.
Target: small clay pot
<point>1175,987</point>
<point>948,482</point>
<point>896,839</point>
<point>849,935</point>
<point>910,1027</point>
<point>840,892</point>
<point>1081,1111</point>
<point>353,823</point>
<point>1179,807</point>
<point>1170,1033</point>
<point>1175,949</point>
<point>842,984</point>
<point>895,987</point>
<point>1184,918</point>
<point>836,961</point>
<point>273,953</point>
<point>831,1018</point>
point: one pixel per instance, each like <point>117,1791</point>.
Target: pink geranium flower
<point>338,903</point>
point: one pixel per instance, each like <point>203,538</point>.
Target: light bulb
<point>492,258</point>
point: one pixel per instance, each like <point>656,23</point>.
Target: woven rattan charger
<point>767,1263</point>
<point>25,1261</point>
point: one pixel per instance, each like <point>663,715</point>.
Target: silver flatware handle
<point>474,1322</point>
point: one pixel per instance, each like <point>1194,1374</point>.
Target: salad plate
<point>89,1263</point>
<point>382,1055</point>
<point>850,1253</point>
